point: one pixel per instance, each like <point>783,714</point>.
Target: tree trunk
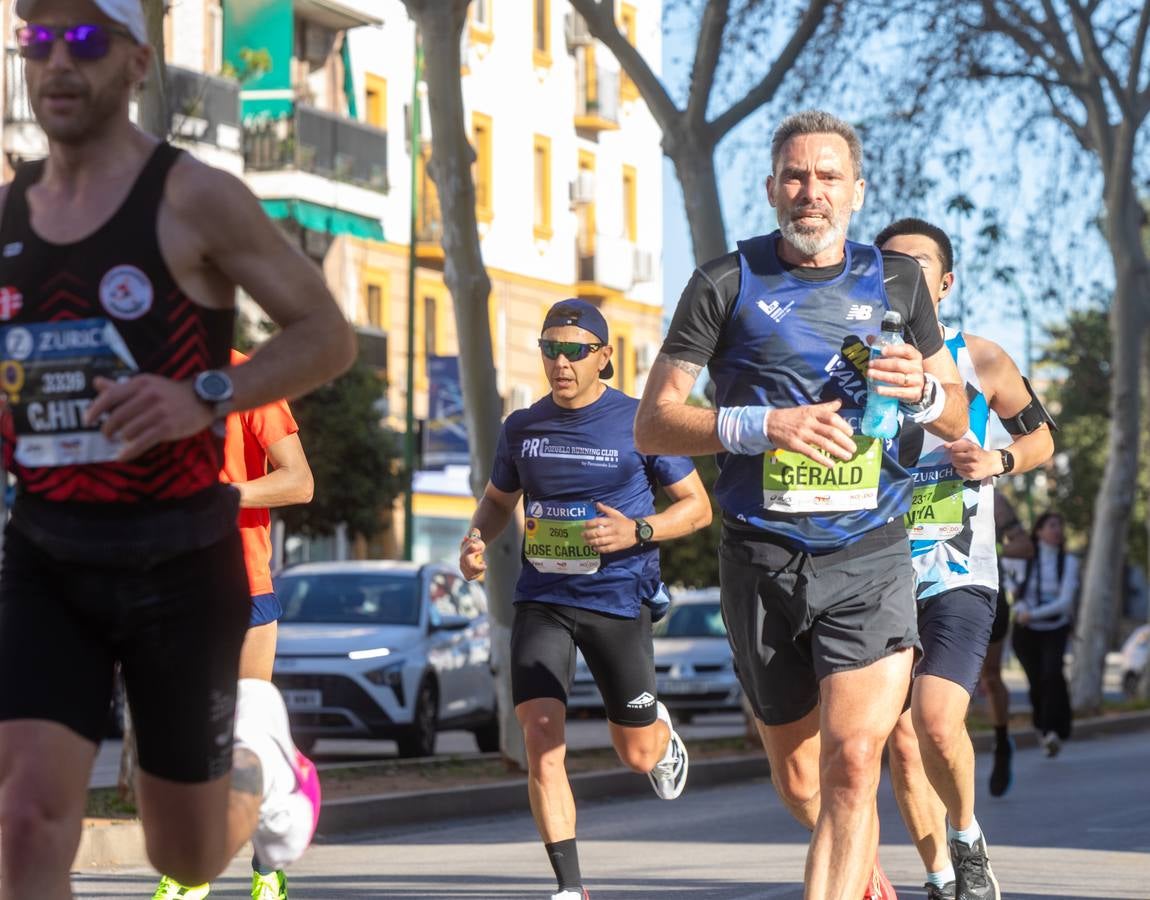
<point>695,169</point>
<point>154,115</point>
<point>441,26</point>
<point>1113,506</point>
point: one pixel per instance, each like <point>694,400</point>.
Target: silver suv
<point>385,649</point>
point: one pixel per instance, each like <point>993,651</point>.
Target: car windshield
<point>349,598</point>
<point>692,620</point>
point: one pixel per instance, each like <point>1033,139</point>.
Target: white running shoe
<point>572,895</point>
<point>669,776</point>
<point>290,809</point>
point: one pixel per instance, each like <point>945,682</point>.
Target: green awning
<point>323,218</point>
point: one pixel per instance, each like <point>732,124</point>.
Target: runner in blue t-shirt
<point>590,569</point>
<point>814,568</point>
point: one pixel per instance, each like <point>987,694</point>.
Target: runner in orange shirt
<point>265,462</point>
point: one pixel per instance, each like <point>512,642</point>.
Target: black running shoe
<point>934,892</point>
<point>974,879</point>
<point>1001,776</point>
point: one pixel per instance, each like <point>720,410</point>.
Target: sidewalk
<point>120,843</point>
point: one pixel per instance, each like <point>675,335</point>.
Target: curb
<point>116,842</point>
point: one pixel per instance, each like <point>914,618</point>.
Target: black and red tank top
<point>104,305</point>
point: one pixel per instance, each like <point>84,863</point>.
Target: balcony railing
<point>597,96</point>
<point>17,108</point>
<point>324,144</point>
<point>204,107</point>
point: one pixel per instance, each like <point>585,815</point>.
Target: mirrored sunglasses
<point>87,42</point>
<point>573,350</point>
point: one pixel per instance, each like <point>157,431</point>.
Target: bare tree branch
<point>765,89</point>
<point>1139,98</point>
<point>1094,59</point>
<point>600,18</point>
<point>707,52</point>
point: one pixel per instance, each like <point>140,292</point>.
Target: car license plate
<point>684,687</point>
<point>303,699</point>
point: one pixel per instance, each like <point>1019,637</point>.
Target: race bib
<point>794,483</point>
<point>47,372</point>
<point>936,509</point>
<point>553,537</point>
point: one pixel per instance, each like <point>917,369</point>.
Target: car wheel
<point>1130,685</point>
<point>419,740</point>
<point>487,735</point>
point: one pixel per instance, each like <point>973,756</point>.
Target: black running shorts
<point>176,626</point>
<point>793,618</point>
<point>618,652</point>
<point>1001,618</point>
<point>955,627</point>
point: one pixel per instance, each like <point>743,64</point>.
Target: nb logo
<point>859,312</point>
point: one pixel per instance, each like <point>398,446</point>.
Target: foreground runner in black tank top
<point>119,260</point>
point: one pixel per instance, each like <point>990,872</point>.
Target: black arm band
<point>1032,417</point>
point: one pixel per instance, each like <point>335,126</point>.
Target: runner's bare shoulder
<point>213,202</point>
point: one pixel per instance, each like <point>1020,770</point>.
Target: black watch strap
<point>1007,461</point>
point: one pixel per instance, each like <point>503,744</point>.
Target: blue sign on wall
<point>445,437</point>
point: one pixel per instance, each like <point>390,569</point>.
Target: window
<point>430,325</point>
<point>481,138</point>
<point>585,223</point>
<point>630,204</point>
<point>375,95</point>
<point>541,33</point>
<point>214,38</point>
<point>375,306</point>
<point>481,21</point>
<point>629,27</point>
<point>542,162</point>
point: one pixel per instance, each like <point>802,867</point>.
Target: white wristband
<point>743,429</point>
<point>924,415</point>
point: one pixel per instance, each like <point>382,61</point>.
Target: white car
<point>1135,654</point>
<point>385,649</point>
<point>694,667</point>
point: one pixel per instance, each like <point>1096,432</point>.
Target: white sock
<point>258,704</point>
<point>967,835</point>
<point>941,878</point>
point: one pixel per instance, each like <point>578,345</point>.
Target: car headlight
<point>390,676</point>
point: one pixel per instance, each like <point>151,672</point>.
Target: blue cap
<point>583,315</point>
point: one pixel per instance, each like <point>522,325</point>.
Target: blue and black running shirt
<point>565,461</point>
<point>781,336</point>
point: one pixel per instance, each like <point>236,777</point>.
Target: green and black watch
<point>643,531</point>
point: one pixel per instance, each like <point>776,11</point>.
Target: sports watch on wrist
<point>1007,461</point>
<point>643,531</point>
<point>215,390</point>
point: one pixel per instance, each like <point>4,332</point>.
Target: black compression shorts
<point>176,626</point>
<point>618,652</point>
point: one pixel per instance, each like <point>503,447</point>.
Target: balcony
<point>205,112</point>
<point>320,143</point>
<point>604,267</point>
<point>596,97</point>
<point>205,109</point>
<point>23,138</point>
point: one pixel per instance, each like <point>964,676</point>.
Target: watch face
<point>645,531</point>
<point>214,386</point>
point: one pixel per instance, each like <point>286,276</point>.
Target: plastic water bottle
<point>880,418</point>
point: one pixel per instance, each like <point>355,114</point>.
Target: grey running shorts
<point>793,617</point>
<point>955,628</point>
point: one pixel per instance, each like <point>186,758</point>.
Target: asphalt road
<point>1077,826</point>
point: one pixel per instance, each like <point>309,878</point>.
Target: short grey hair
<point>815,121</point>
